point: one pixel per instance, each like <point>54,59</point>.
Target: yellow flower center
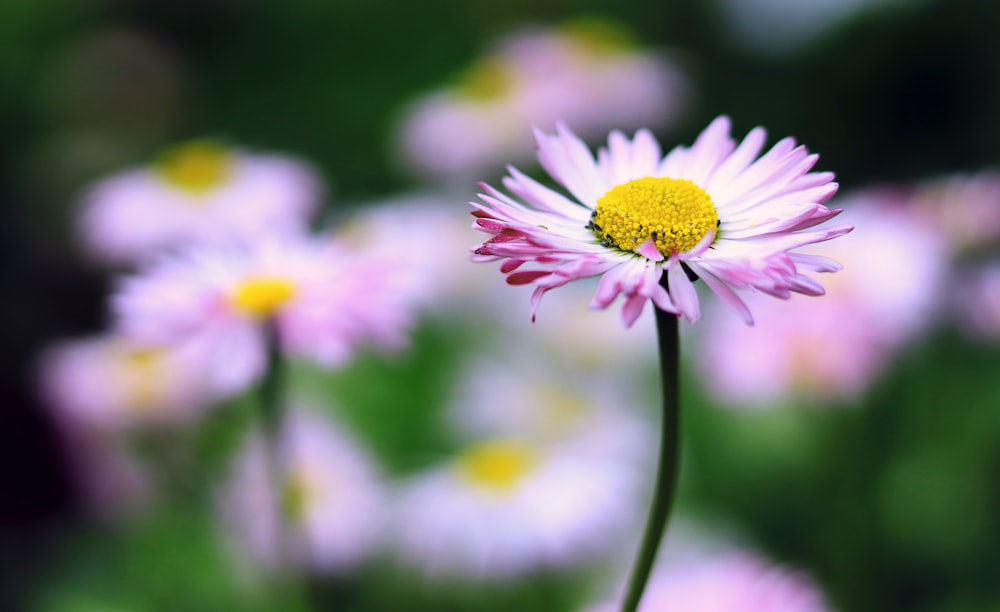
<point>142,377</point>
<point>486,80</point>
<point>558,409</point>
<point>674,213</point>
<point>297,494</point>
<point>262,296</point>
<point>497,465</point>
<point>196,167</point>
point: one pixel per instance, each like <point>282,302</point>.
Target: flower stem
<point>666,472</point>
<point>272,400</point>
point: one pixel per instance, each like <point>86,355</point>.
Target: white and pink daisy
<point>537,76</point>
<point>215,304</point>
<point>199,192</point>
<point>331,498</point>
<point>731,582</point>
<point>112,382</point>
<point>550,406</point>
<point>834,348</point>
<point>506,507</point>
<point>648,224</point>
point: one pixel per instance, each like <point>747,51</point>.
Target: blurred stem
<point>666,471</point>
<point>272,400</point>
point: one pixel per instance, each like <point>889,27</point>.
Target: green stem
<point>272,400</point>
<point>666,472</point>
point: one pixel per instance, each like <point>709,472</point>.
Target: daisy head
<point>505,507</point>
<point>197,192</point>
<point>330,499</point>
<point>537,75</point>
<point>648,224</point>
<point>112,382</point>
<point>217,303</point>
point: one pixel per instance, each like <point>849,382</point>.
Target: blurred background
<point>857,451</point>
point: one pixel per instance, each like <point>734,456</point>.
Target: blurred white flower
<point>833,348</point>
<point>214,304</point>
<point>110,382</point>
<point>199,192</point>
<point>735,581</point>
<point>527,398</point>
<point>506,507</point>
<point>331,497</point>
<point>428,239</point>
<point>587,74</point>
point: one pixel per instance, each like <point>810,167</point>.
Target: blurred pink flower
<point>731,582</point>
<point>547,404</point>
<point>332,498</point>
<point>506,507</point>
<point>110,382</point>
<point>976,302</point>
<point>575,73</point>
<point>213,304</point>
<point>964,208</point>
<point>835,347</point>
<point>713,210</point>
<point>199,192</point>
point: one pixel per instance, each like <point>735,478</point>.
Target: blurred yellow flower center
<point>262,296</point>
<point>558,409</point>
<point>196,167</point>
<point>486,80</point>
<point>498,465</point>
<point>297,494</point>
<point>142,376</point>
<point>674,213</point>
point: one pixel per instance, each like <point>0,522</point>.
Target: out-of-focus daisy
<point>428,268</point>
<point>214,303</point>
<point>731,582</point>
<point>648,224</point>
<point>196,193</point>
<point>537,76</point>
<point>507,507</point>
<point>550,407</point>
<point>964,208</point>
<point>110,382</point>
<point>575,339</point>
<point>976,302</point>
<point>331,498</point>
<point>835,347</point>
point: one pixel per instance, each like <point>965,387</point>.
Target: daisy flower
<point>111,382</point>
<point>214,304</point>
<point>196,193</point>
<point>332,498</point>
<point>553,407</point>
<point>506,507</point>
<point>649,224</point>
<point>535,76</point>
<point>734,581</point>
